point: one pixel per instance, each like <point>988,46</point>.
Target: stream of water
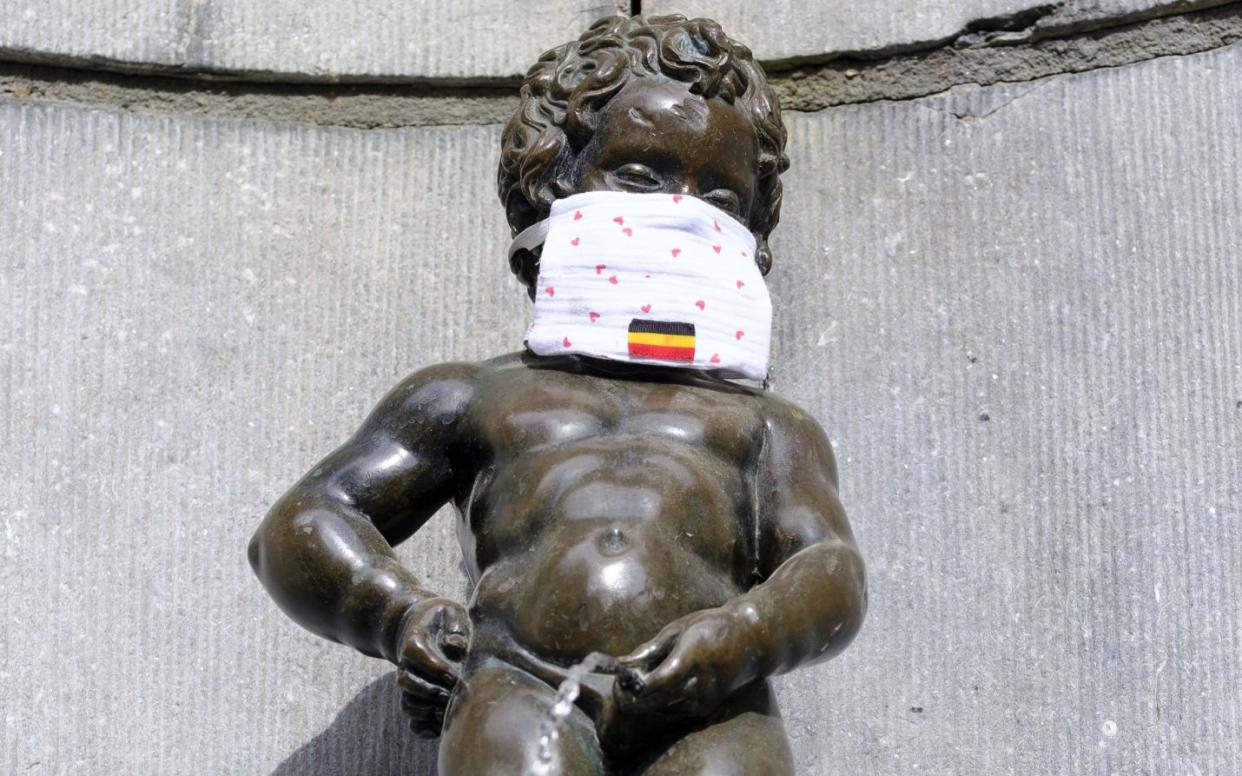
<point>566,694</point>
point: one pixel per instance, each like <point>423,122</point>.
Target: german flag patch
<point>661,340</point>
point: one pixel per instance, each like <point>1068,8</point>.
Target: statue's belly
<point>597,546</point>
<point>599,585</point>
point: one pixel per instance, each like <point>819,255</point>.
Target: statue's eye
<point>726,200</point>
<point>637,177</point>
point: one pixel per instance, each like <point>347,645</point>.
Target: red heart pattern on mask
<point>645,247</point>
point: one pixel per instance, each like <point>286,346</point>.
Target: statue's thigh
<point>492,728</point>
<point>743,742</point>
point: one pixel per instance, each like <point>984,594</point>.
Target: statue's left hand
<point>691,665</point>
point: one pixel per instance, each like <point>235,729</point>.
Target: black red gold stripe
<point>661,340</point>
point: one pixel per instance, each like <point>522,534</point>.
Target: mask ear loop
<point>530,238</point>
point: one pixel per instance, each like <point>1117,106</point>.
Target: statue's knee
<point>493,727</point>
<point>746,743</point>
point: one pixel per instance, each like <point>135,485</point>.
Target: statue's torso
<point>607,508</point>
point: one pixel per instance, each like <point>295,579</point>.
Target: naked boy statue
<point>685,524</point>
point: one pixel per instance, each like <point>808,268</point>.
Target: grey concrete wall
<point>470,40</point>
<point>1016,309</point>
<point>299,39</point>
<point>791,30</point>
<point>1019,312</point>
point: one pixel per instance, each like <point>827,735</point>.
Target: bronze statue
<point>683,526</point>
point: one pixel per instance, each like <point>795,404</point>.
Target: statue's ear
<point>763,254</point>
<point>525,264</point>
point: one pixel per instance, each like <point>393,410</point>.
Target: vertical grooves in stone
<point>195,311</point>
<point>452,39</point>
<point>1021,556</point>
<point>9,512</point>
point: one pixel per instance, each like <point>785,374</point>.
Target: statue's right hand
<point>435,635</point>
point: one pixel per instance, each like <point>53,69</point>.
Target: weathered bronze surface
<point>687,526</point>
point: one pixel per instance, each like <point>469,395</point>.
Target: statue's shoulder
<point>459,375</point>
<point>783,414</point>
<point>795,434</point>
<point>452,387</point>
<point>444,391</point>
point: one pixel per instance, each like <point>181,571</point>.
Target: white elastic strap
<point>530,238</point>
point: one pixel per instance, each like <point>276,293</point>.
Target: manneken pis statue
<point>682,523</point>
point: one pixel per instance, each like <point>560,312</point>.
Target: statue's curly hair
<point>567,88</point>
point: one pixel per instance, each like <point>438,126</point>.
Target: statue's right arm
<point>324,551</point>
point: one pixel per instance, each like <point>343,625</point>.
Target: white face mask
<point>649,278</point>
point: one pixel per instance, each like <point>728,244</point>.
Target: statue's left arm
<point>808,606</point>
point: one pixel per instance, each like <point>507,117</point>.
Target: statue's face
<point>655,136</point>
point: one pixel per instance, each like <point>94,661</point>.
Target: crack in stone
<point>1023,22</point>
<point>1061,18</point>
<point>360,106</point>
<point>844,82</point>
<point>966,116</point>
<point>997,56</point>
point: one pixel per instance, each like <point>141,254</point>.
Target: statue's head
<point>663,104</point>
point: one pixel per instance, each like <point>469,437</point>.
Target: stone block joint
<point>1022,47</point>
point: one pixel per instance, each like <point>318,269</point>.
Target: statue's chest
<point>584,410</point>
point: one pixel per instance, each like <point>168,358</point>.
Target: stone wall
<point>227,228</point>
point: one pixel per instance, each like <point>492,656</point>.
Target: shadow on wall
<point>370,737</point>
